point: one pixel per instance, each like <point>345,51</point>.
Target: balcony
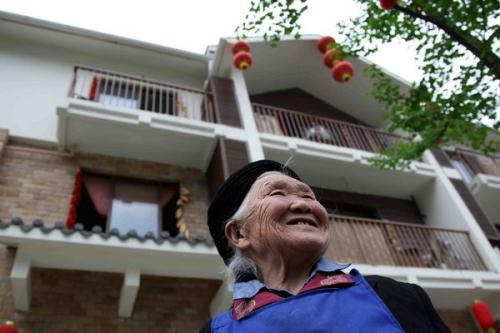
<point>341,159</point>
<point>295,124</point>
<point>375,242</point>
<point>120,115</point>
<point>482,175</point>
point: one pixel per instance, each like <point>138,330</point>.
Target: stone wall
<point>36,183</point>
<point>87,302</point>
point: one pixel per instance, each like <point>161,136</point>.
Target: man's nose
<point>300,205</point>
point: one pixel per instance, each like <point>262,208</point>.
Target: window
<point>463,170</point>
<point>127,204</point>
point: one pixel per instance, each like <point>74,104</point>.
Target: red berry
<point>387,4</point>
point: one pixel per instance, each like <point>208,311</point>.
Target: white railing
<point>130,92</point>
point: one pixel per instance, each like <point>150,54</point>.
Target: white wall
<point>35,79</point>
<point>435,202</point>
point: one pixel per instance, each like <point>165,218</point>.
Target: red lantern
<point>343,71</point>
<point>326,43</point>
<point>242,60</point>
<point>483,315</point>
<point>331,57</point>
<point>8,327</point>
<point>240,46</point>
<point>388,4</point>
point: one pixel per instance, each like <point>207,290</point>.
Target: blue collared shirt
<point>250,288</point>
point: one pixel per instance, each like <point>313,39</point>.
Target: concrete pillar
<point>254,147</point>
<point>130,287</point>
<point>477,236</point>
<point>20,278</point>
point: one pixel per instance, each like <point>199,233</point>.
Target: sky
<point>192,25</point>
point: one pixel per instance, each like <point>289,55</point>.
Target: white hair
<point>241,265</point>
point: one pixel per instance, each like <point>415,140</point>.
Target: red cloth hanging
<point>101,192</point>
<point>93,89</point>
<point>167,194</point>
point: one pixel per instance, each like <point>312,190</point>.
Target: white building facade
<point>97,127</point>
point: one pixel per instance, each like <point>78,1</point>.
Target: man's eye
<point>277,193</point>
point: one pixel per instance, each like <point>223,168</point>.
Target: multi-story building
<point>112,148</point>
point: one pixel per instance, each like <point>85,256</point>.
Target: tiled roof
<point>164,236</point>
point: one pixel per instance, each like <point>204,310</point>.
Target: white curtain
<point>189,104</point>
<point>83,83</point>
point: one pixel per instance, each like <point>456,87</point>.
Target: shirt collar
<point>250,288</point>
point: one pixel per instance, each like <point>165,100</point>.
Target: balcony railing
<point>476,163</point>
<point>136,93</point>
<point>374,242</point>
<point>285,122</point>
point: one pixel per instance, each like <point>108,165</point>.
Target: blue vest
<point>342,310</point>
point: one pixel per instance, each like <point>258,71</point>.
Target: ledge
<point>116,131</point>
<point>346,169</point>
<point>60,248</point>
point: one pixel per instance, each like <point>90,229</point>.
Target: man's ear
<point>236,236</point>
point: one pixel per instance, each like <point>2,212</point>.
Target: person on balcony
<point>272,234</point>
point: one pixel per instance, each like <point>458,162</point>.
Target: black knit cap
<point>231,194</point>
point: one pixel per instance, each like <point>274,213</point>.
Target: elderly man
<point>272,233</point>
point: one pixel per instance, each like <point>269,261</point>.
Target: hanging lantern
<point>343,71</point>
<point>331,57</point>
<point>326,43</point>
<point>242,60</point>
<point>8,327</point>
<point>240,46</point>
<point>483,315</point>
<point>388,4</point>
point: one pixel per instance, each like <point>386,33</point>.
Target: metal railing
<point>136,93</point>
<point>285,122</point>
<point>376,242</point>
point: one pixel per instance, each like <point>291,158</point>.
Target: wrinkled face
<point>283,215</point>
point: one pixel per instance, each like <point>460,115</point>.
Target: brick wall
<point>36,183</point>
<point>458,321</point>
<point>76,301</point>
<point>81,302</point>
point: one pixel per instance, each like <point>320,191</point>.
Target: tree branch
<point>483,53</point>
<point>495,34</point>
